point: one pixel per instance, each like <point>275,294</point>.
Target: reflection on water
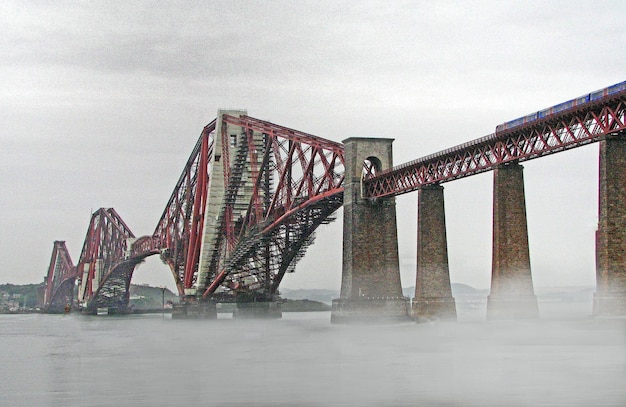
<point>53,360</point>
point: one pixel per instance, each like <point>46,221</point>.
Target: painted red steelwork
<point>179,231</point>
<point>307,167</point>
<point>575,127</point>
<point>107,260</point>
<point>104,244</point>
<point>61,273</point>
<point>143,245</point>
<point>291,174</point>
<point>280,184</point>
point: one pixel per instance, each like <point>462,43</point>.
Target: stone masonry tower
<point>610,296</point>
<point>512,294</point>
<point>370,286</point>
<point>433,293</point>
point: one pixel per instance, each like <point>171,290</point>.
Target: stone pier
<point>195,310</point>
<point>258,310</point>
<point>370,288</point>
<point>512,294</point>
<point>433,293</point>
<point>610,296</point>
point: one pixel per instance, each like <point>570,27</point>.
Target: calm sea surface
<point>563,359</point>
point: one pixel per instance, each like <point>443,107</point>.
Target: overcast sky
<point>102,102</point>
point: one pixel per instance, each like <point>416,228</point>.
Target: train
<point>590,97</point>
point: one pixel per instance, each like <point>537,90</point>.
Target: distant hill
<point>303,306</point>
<point>321,295</point>
<point>544,294</point>
<point>145,297</point>
<point>458,290</point>
<point>142,297</point>
<point>565,294</point>
<point>327,296</point>
<point>461,290</point>
<point>26,295</point>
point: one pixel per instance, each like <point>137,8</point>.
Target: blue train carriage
<point>611,90</point>
<point>570,104</point>
<point>520,121</point>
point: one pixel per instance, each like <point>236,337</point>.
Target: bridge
<point>252,194</point>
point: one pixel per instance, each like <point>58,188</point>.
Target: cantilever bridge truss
<point>59,291</point>
<point>252,194</point>
<point>243,212</point>
<point>246,207</point>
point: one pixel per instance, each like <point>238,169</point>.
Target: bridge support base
<point>610,297</point>
<point>433,308</point>
<point>258,310</point>
<point>370,310</point>
<point>609,306</point>
<point>499,308</point>
<point>370,284</point>
<point>512,294</point>
<point>197,310</point>
<point>433,293</point>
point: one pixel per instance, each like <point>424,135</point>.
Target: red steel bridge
<point>252,194</point>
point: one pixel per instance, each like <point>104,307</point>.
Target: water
<point>74,360</point>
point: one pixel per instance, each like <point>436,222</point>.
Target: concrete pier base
<point>512,308</point>
<point>258,310</point>
<point>433,308</point>
<point>196,310</point>
<point>370,310</point>
<point>609,306</point>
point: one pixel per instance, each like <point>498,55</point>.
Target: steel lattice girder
<point>108,258</point>
<point>569,129</point>
<point>268,255</point>
<point>179,231</point>
<point>296,182</point>
<point>306,167</point>
<point>113,290</point>
<point>106,243</point>
<point>60,279</point>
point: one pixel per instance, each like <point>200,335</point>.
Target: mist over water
<point>301,359</point>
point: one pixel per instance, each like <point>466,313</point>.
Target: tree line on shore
<point>29,298</point>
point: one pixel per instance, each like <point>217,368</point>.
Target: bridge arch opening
<point>153,272</point>
<point>371,166</point>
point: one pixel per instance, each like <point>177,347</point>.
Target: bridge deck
<point>573,127</point>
